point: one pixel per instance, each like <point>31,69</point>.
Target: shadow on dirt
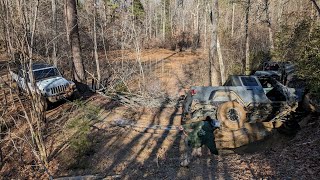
<point>137,154</point>
<point>133,154</point>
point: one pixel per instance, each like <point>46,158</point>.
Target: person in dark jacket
<point>197,134</point>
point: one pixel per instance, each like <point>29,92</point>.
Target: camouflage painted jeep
<point>241,99</point>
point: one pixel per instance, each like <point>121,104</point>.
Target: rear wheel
<point>231,115</point>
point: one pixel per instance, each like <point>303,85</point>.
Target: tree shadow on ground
<point>150,155</point>
<point>137,154</point>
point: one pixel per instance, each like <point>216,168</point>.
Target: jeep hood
<point>51,82</point>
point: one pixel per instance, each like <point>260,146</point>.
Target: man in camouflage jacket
<point>197,134</point>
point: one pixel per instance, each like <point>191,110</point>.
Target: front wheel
<point>231,115</point>
<point>75,95</point>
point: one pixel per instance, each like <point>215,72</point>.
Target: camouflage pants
<point>196,135</point>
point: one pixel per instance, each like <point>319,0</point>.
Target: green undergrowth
<point>80,127</point>
<point>300,45</point>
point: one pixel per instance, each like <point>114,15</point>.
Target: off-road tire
<point>289,128</point>
<point>75,95</point>
<point>227,112</point>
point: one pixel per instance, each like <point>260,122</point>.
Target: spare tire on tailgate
<point>231,115</point>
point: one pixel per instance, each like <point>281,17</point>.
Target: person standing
<point>197,134</point>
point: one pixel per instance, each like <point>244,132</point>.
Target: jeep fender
<point>224,96</point>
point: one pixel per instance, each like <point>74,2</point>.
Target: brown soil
<point>136,153</point>
<point>174,71</point>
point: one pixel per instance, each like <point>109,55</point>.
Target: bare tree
<point>247,41</point>
<point>268,21</point>
<point>5,23</point>
<point>196,27</point>
<point>24,46</point>
<point>233,14</point>
<point>213,70</point>
<point>74,40</point>
<point>164,20</point>
<point>95,43</point>
<point>37,114</point>
<point>54,26</point>
<point>103,10</point>
<point>280,11</point>
<point>221,63</point>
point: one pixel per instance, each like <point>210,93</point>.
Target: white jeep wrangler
<point>47,79</point>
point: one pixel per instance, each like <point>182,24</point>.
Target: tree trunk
<point>221,63</point>
<point>247,64</point>
<point>196,34</point>
<point>268,20</point>
<point>102,33</point>
<point>146,20</point>
<point>54,24</point>
<point>31,43</point>
<point>171,17</point>
<point>280,12</point>
<point>205,28</point>
<point>150,21</point>
<point>156,26</point>
<point>232,22</point>
<point>74,40</point>
<point>6,33</point>
<point>95,44</point>
<point>37,100</point>
<point>213,71</point>
<point>164,21</point>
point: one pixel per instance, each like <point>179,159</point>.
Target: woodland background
<point>247,32</point>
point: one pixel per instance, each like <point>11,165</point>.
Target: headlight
<point>72,84</point>
<point>47,90</point>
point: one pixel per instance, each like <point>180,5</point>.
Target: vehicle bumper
<point>199,112</point>
<point>59,97</point>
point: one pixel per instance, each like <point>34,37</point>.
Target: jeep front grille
<point>59,89</point>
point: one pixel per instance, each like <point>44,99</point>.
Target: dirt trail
<point>175,71</point>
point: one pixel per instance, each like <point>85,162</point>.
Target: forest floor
<point>81,139</point>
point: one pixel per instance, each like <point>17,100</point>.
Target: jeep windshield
<point>45,73</point>
<point>241,81</point>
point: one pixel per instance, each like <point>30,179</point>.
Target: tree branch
<point>316,6</point>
